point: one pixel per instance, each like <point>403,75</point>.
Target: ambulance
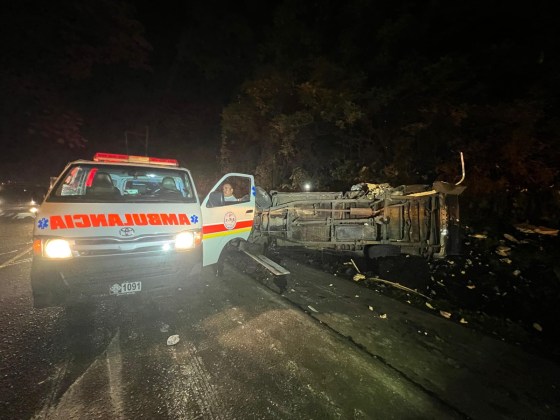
<point>120,226</point>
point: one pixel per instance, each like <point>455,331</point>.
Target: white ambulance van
<point>124,225</point>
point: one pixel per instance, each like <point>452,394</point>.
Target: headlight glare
<point>185,240</point>
<point>58,249</point>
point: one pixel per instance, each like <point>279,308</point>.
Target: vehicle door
<point>224,220</point>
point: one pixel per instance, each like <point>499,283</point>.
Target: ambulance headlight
<point>185,240</point>
<point>57,249</point>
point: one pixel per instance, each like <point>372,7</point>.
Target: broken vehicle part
<point>375,219</point>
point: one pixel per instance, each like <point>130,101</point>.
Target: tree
<point>49,51</point>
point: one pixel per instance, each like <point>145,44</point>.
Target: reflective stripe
<point>220,227</point>
<point>226,233</point>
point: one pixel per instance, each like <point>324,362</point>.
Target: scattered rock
<point>479,236</point>
<point>358,277</point>
<point>503,250</point>
<point>445,314</point>
<point>511,238</point>
<point>172,340</point>
<point>537,327</point>
<point>541,230</point>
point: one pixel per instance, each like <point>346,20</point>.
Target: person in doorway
<point>227,189</point>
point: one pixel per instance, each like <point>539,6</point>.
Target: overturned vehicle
<point>375,219</point>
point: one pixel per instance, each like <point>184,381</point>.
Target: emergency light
<point>116,158</point>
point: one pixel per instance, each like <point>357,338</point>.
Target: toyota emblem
<point>126,231</point>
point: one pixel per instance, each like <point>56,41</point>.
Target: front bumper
<point>60,282</point>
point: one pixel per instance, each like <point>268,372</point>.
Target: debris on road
<point>445,314</point>
<point>312,308</point>
<point>542,230</point>
<point>355,266</point>
<point>479,236</point>
<point>511,238</point>
<point>172,340</point>
<point>537,327</point>
<point>399,286</point>
<point>503,251</point>
<point>499,283</point>
<point>358,277</point>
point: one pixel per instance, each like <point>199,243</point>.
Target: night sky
<point>332,91</point>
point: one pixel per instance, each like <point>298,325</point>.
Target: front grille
<point>105,246</point>
<point>112,240</point>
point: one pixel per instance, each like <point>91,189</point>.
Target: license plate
<point>126,288</point>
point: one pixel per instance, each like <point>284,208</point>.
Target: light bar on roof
<point>112,157</point>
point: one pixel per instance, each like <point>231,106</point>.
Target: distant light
<point>307,186</point>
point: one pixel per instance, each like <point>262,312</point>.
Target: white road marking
<point>114,371</point>
<point>21,254</point>
<point>26,260</point>
<point>9,252</point>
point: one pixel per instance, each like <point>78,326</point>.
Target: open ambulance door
<point>224,220</point>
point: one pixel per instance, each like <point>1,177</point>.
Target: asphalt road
<point>254,346</point>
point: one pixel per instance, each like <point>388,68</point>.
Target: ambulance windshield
<point>112,183</point>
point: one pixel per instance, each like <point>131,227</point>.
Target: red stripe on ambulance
<point>70,221</point>
<point>220,227</point>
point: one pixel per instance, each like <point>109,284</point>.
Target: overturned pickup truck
<point>376,219</point>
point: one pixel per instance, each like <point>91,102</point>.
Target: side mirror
<point>215,199</point>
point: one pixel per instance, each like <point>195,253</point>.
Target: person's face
<point>228,190</point>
